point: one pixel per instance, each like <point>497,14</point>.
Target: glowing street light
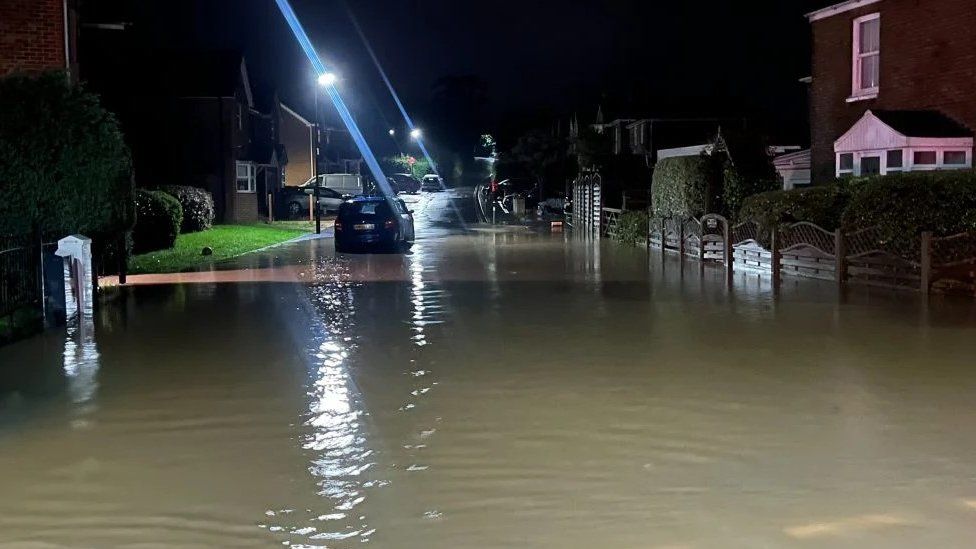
<point>392,132</point>
<point>327,79</point>
<point>415,133</point>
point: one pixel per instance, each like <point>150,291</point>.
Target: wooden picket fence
<point>807,250</point>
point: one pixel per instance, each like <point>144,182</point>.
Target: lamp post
<point>416,134</point>
<point>324,80</point>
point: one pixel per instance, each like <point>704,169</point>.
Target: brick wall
<point>928,61</point>
<point>31,35</point>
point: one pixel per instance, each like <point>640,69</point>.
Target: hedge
<point>158,220</point>
<point>686,186</point>
<point>904,205</point>
<point>197,204</point>
<point>64,167</point>
<point>631,227</point>
<point>821,205</point>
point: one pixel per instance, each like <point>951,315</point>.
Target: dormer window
<point>865,77</point>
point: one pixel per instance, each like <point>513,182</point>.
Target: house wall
<point>32,36</point>
<point>297,139</point>
<point>928,61</point>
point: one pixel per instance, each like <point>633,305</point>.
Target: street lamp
<point>327,79</point>
<point>415,133</point>
<point>392,132</point>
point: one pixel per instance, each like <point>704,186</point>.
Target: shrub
<point>64,167</point>
<point>904,205</point>
<point>158,220</point>
<point>686,186</point>
<point>197,204</point>
<point>632,227</point>
<point>821,205</point>
<point>736,188</point>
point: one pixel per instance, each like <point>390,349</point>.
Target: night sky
<point>540,59</point>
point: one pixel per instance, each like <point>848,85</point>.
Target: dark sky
<point>540,58</point>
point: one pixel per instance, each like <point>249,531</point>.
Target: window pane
<point>895,159</point>
<point>869,71</point>
<point>241,169</point>
<point>845,161</point>
<point>870,165</point>
<point>870,36</point>
<point>955,158</point>
<point>923,157</point>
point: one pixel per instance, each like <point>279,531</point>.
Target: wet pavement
<point>492,388</point>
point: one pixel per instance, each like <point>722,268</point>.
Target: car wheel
<point>294,210</point>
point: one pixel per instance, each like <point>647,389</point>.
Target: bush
<point>197,204</point>
<point>632,227</point>
<point>821,205</point>
<point>904,205</point>
<point>64,167</point>
<point>158,220</point>
<point>736,188</point>
<point>686,186</point>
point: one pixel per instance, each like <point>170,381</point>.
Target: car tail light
<point>389,224</point>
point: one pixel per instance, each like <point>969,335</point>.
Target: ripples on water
<point>494,390</point>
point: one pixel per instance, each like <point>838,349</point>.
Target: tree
<point>64,167</point>
<point>403,163</point>
<point>542,156</point>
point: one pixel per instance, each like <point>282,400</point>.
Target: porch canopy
<point>883,142</point>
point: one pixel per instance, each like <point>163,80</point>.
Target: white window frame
<point>966,162</point>
<point>888,169</point>
<point>251,177</point>
<point>852,171</point>
<point>858,92</point>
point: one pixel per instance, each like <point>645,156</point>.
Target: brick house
<point>193,119</point>
<point>37,36</point>
<point>893,86</point>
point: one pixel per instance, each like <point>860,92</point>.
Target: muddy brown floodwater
<point>493,389</point>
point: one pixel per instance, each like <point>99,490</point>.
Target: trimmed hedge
<point>197,204</point>
<point>158,220</point>
<point>632,227</point>
<point>64,167</point>
<point>904,205</point>
<point>686,186</point>
<point>822,205</point>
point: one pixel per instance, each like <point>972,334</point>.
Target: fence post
<point>727,250</point>
<point>840,258</point>
<point>774,245</point>
<point>681,238</point>
<point>926,269</point>
<point>270,208</point>
<point>701,241</point>
<point>664,238</point>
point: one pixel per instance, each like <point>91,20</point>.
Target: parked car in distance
<point>296,200</point>
<point>373,223</point>
<point>432,183</point>
<point>404,183</point>
<point>343,183</point>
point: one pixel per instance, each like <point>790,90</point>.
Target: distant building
<point>37,36</point>
<point>893,86</point>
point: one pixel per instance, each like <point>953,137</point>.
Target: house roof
<point>922,123</point>
<point>795,160</point>
<point>880,130</point>
<point>835,9</point>
<point>199,74</point>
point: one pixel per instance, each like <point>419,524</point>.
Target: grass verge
<point>226,241</point>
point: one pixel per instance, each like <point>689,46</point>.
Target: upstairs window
<point>867,56</point>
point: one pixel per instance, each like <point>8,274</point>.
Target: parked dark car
<point>404,183</point>
<point>367,223</point>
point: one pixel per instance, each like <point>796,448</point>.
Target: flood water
<point>492,389</point>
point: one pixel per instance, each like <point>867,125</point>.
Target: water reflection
<point>81,358</point>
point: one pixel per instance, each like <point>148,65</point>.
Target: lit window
<point>845,164</point>
<point>867,55</point>
<point>245,178</point>
<point>954,158</point>
<point>895,161</point>
<point>923,158</point>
